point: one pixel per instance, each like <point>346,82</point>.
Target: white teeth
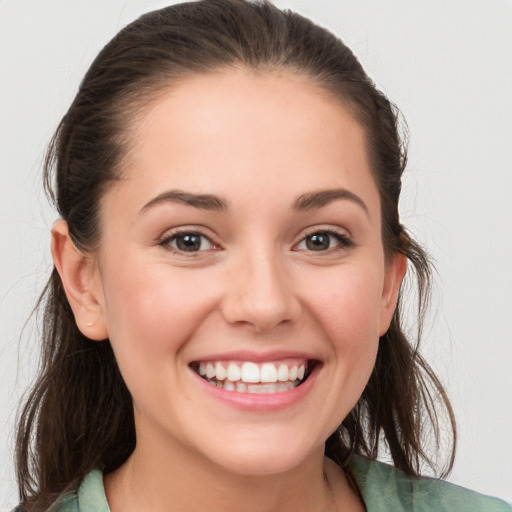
<point>262,389</point>
<point>230,386</point>
<point>268,389</point>
<point>234,373</point>
<point>268,373</point>
<point>251,377</point>
<point>220,372</point>
<point>210,371</point>
<point>250,372</point>
<point>282,373</point>
<point>241,387</point>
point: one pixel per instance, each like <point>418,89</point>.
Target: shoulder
<point>386,488</point>
<point>89,497</point>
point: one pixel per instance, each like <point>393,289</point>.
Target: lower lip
<point>260,402</point>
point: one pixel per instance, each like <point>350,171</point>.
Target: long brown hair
<point>79,413</point>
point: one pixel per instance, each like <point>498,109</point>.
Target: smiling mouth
<point>250,377</point>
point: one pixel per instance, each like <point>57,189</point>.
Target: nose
<point>260,294</point>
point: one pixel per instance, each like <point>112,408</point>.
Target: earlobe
<point>395,272</point>
<point>81,283</point>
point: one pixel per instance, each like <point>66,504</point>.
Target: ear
<point>81,281</point>
<point>394,274</point>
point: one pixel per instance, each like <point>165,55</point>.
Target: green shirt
<point>383,488</point>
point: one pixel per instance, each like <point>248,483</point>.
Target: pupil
<point>189,243</point>
<point>318,242</point>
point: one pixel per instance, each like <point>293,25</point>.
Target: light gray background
<point>448,66</point>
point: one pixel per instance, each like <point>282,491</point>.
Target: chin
<point>263,458</point>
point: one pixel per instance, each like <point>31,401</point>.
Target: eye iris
<point>318,242</point>
<point>188,243</point>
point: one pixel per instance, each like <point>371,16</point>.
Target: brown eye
<point>318,241</point>
<point>188,242</point>
<point>323,241</point>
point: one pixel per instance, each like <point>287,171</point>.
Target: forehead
<point>247,132</point>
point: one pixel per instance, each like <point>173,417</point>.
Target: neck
<point>156,479</point>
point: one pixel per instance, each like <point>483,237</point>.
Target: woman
<point>222,327</point>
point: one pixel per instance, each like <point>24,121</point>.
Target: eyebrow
<point>312,200</point>
<point>307,201</point>
<point>201,201</point>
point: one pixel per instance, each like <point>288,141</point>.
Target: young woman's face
<point>241,273</point>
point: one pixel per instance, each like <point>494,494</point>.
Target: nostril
<point>262,296</point>
<point>262,317</point>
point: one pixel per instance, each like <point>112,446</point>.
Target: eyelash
<point>173,237</point>
<point>343,240</point>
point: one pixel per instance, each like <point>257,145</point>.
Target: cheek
<point>349,315</point>
<point>348,305</point>
<point>153,309</point>
<point>152,312</point>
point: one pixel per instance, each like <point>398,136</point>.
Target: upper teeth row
<point>251,372</point>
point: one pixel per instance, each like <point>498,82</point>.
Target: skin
<point>258,142</point>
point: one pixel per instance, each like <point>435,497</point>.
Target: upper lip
<point>255,357</point>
